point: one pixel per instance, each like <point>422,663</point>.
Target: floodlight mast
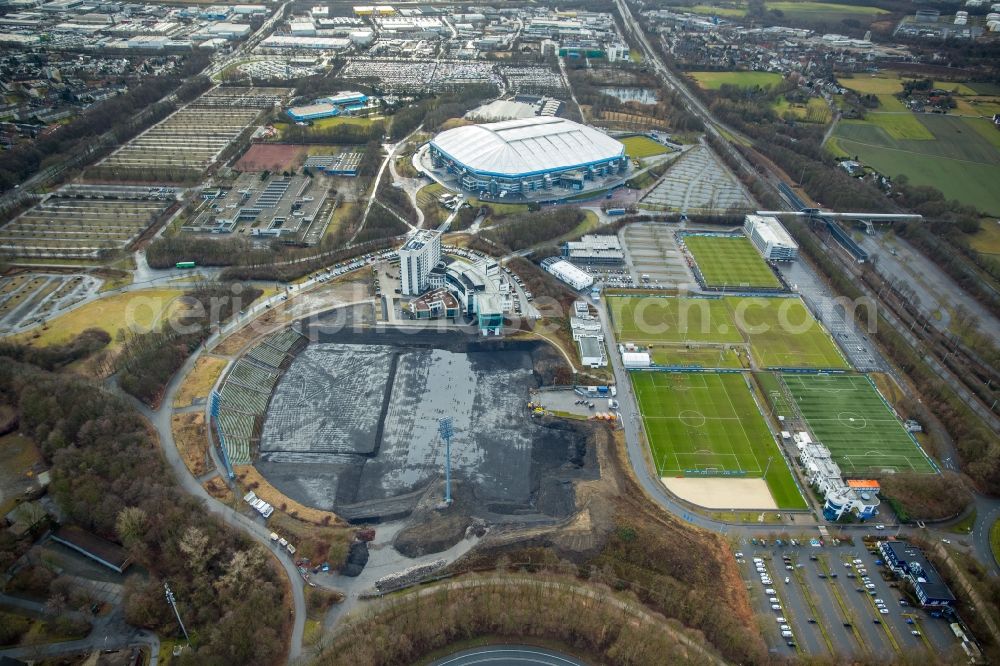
<point>173,604</point>
<point>447,431</point>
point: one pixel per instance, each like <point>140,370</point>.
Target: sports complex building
<point>527,158</point>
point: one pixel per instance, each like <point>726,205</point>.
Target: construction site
<point>353,427</point>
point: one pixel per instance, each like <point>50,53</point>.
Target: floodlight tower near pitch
<point>446,429</point>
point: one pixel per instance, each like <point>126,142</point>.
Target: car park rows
<point>835,599</point>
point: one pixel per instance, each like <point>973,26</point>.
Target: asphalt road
<point>508,655</point>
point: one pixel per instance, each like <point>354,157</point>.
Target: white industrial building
<point>770,238</point>
<point>298,42</point>
<point>419,254</point>
<point>634,359</point>
<point>568,273</point>
<point>839,496</point>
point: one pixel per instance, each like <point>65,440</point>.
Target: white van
<point>770,591</point>
<point>786,634</point>
<point>780,620</point>
<point>776,607</point>
<point>785,627</point>
<point>774,600</point>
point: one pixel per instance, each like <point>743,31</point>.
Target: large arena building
<point>528,157</point>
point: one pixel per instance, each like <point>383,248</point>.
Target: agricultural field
<point>815,110</point>
<point>705,421</point>
<point>730,261</point>
<point>959,156</point>
<point>849,417</point>
<point>819,11</point>
<point>987,239</point>
<point>715,80</point>
<point>779,332</point>
<point>638,147</point>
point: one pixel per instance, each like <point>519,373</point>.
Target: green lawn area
<point>715,80</point>
<point>639,147</point>
<point>781,331</point>
<point>995,540</point>
<point>900,126</point>
<point>499,209</point>
<point>711,10</point>
<point>987,239</point>
<point>890,83</point>
<point>138,310</point>
<point>826,9</point>
<point>635,56</point>
<point>773,392</point>
<point>848,415</point>
<point>683,355</point>
<point>730,261</point>
<point>813,111</point>
<point>710,421</point>
<point>962,159</point>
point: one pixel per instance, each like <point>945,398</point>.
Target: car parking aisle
<point>844,640</point>
<point>859,605</point>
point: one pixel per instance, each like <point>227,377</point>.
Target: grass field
<point>140,310</point>
<point>710,421</point>
<point>987,239</point>
<point>696,357</point>
<point>639,147</point>
<point>995,539</point>
<point>962,160</point>
<point>813,111</point>
<point>730,261</point>
<point>715,80</point>
<point>780,331</point>
<point>804,10</point>
<point>846,413</point>
<point>890,83</point>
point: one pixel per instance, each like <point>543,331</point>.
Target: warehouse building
<point>910,563</point>
<point>592,249</point>
<point>568,273</point>
<point>770,238</point>
<point>517,158</point>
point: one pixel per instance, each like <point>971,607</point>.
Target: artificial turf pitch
<point>730,261</point>
<point>710,422</point>
<point>849,417</point>
<point>781,332</point>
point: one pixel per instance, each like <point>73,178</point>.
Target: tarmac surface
<point>507,655</point>
<point>354,428</point>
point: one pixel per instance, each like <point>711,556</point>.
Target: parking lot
<point>698,181</point>
<point>651,250</point>
<point>852,340</point>
<point>187,142</point>
<point>835,600</point>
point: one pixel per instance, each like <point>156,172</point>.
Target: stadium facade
<point>526,156</point>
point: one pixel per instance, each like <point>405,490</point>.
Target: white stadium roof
<point>525,146</point>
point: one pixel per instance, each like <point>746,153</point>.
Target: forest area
<point>108,477</point>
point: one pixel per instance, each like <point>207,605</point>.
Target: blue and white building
<point>909,562</point>
<point>328,107</point>
<point>839,497</point>
<point>518,158</point>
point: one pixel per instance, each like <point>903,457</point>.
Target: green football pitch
<point>730,261</point>
<point>781,332</point>
<point>849,417</point>
<point>710,422</point>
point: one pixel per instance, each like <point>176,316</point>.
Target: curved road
<point>160,419</point>
<point>508,655</point>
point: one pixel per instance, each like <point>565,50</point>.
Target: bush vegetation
<point>927,497</point>
<point>534,228</point>
<point>148,360</point>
